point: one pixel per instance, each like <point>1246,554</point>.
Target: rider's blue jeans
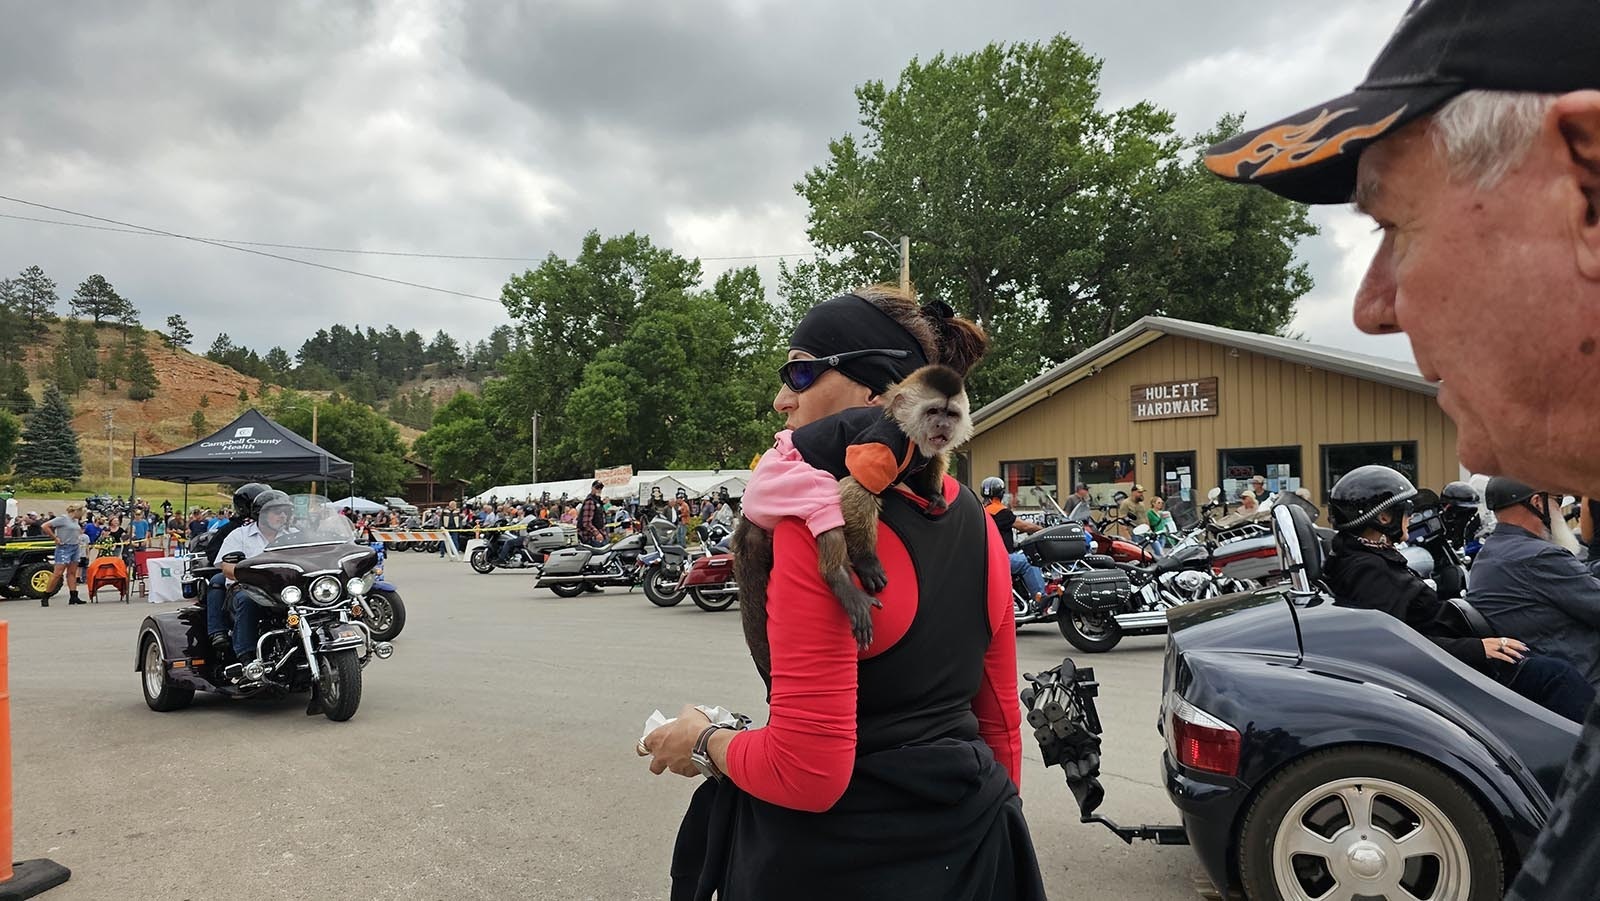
<point>245,628</point>
<point>1032,578</point>
<point>216,600</point>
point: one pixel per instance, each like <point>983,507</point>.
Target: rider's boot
<point>72,598</point>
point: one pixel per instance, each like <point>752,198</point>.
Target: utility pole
<point>314,441</point>
<point>905,263</point>
<point>535,448</point>
<point>111,422</point>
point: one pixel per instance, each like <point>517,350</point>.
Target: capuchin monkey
<point>925,416</point>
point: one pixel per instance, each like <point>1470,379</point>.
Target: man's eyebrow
<point>1368,192</point>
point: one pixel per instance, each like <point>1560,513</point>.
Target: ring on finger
<point>643,751</point>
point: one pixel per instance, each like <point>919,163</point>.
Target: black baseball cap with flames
<point>1440,49</point>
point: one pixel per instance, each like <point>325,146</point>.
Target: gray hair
<point>1484,134</point>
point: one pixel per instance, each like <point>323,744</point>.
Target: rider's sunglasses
<point>798,375</point>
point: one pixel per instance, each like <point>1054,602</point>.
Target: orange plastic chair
<point>108,572</point>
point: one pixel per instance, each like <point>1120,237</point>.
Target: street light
<point>905,256</point>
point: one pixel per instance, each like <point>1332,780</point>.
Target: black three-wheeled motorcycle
<point>309,588</point>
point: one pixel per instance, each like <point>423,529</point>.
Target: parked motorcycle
<point>540,538</point>
<point>571,571</point>
<point>1428,550</point>
<point>309,585</point>
<point>709,580</point>
<point>664,564</point>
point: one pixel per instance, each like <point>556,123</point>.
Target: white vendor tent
<point>359,505</point>
<point>697,482</point>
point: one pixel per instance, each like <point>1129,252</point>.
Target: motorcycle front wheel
<point>480,561</point>
<point>386,615</point>
<point>711,604</point>
<point>1092,633</point>
<point>341,685</point>
<point>661,588</point>
<point>568,589</point>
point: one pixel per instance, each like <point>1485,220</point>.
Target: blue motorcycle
<point>385,611</point>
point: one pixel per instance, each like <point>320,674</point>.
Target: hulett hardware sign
<point>1174,400</point>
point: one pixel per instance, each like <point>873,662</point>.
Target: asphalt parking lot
<point>492,757</point>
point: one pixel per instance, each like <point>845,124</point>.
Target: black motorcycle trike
<point>308,587</point>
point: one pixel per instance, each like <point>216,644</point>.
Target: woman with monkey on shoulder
<point>877,774</point>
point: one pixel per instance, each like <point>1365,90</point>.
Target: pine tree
<point>14,388</point>
<point>141,374</point>
<point>111,369</point>
<point>178,334</point>
<point>49,445</point>
<point>33,297</point>
<point>198,423</point>
<point>98,300</point>
<point>205,401</point>
<point>244,394</point>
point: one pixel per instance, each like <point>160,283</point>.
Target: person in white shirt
<point>271,511</point>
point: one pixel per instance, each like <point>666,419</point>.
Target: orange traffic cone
<point>25,878</point>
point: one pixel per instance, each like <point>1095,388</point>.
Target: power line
<point>349,250</point>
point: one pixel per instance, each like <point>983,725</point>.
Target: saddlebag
<point>1057,544</point>
<point>567,561</point>
<point>1098,590</point>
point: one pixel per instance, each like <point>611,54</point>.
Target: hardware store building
<point>1181,407</point>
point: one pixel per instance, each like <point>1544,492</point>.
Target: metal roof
<point>1395,373</point>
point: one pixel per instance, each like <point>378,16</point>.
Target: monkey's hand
<point>870,571</point>
<point>857,605</point>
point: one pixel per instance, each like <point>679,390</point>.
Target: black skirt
<point>938,821</point>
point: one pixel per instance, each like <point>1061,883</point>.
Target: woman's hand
<point>1509,650</point>
<point>671,745</point>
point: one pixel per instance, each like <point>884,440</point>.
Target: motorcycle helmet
<point>1503,492</point>
<point>244,497</point>
<point>682,495</point>
<point>1366,491</point>
<point>272,500</point>
<point>1459,494</point>
<point>992,487</point>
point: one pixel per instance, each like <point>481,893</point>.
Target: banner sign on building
<point>615,476</point>
<point>1174,400</point>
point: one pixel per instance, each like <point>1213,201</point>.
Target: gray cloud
<point>511,129</point>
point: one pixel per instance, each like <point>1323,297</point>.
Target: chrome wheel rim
<point>155,669</point>
<point>1093,626</point>
<point>664,585</point>
<point>380,614</point>
<point>1369,838</point>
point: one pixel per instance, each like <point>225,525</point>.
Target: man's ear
<point>1577,118</point>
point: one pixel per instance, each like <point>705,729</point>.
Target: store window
<point>1025,478</point>
<point>1338,459</point>
<point>1105,476</point>
<point>1280,466</point>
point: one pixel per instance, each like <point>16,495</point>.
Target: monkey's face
<point>943,423</point>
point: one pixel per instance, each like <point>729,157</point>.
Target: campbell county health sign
<point>1174,400</point>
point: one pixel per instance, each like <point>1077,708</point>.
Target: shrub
<point>42,486</point>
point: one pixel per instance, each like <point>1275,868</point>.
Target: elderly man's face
<point>1499,292</point>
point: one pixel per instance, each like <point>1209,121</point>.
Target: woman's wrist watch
<point>701,755</point>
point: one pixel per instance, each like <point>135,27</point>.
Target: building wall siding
<point>1262,401</point>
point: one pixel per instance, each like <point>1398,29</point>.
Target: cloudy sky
<point>511,129</point>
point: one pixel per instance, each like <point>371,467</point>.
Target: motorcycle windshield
<point>315,521</point>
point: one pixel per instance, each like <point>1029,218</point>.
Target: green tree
<point>205,401</point>
<point>566,313</point>
<point>353,431</point>
<point>34,298</point>
<point>244,395</point>
<point>142,379</point>
<point>98,300</point>
<point>77,357</point>
<point>10,432</point>
<point>14,394</point>
<point>178,334</point>
<point>278,362</point>
<point>49,444</point>
<point>1051,221</point>
<point>111,367</point>
<point>460,443</point>
<point>197,421</point>
<point>443,351</point>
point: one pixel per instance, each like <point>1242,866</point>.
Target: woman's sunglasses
<point>798,375</point>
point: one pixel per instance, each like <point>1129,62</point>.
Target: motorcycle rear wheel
<point>654,575</point>
<point>569,589</point>
<point>480,561</point>
<point>341,685</point>
<point>1091,633</point>
<point>711,604</point>
<point>161,694</point>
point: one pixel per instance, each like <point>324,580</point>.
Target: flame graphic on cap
<point>1294,145</point>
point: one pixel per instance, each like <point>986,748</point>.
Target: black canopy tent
<point>252,448</point>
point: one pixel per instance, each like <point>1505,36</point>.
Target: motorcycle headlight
<point>291,595</point>
<point>360,584</point>
<point>325,590</point>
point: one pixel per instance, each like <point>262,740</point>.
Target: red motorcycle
<point>709,580</point>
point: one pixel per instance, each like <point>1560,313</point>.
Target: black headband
<point>850,322</point>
